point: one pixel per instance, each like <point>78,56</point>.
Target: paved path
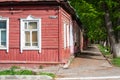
<point>90,64</point>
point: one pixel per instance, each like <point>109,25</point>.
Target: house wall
<point>81,40</point>
<point>49,30</point>
<point>77,37</point>
<point>65,51</point>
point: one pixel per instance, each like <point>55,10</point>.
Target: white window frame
<point>71,38</point>
<point>68,35</point>
<point>66,28</point>
<point>7,34</point>
<point>22,34</point>
<point>65,36</point>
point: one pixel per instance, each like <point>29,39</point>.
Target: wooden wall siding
<point>77,35</point>
<point>49,55</point>
<point>49,33</point>
<point>65,54</point>
<point>65,18</point>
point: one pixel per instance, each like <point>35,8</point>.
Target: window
<point>66,35</point>
<point>71,38</point>
<point>31,34</point>
<point>4,30</point>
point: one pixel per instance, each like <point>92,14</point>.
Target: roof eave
<point>71,11</point>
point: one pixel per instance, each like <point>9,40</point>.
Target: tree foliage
<point>92,16</point>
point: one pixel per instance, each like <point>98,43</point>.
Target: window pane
<point>27,44</point>
<point>27,38</point>
<point>25,25</point>
<point>3,38</point>
<point>34,38</point>
<point>34,44</point>
<point>32,25</point>
<point>2,24</point>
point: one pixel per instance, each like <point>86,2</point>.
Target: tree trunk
<point>110,31</point>
<point>118,31</point>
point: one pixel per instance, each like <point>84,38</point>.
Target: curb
<point>25,77</point>
<point>91,78</point>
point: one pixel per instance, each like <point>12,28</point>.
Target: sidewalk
<point>90,63</point>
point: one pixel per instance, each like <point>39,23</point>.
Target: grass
<point>15,67</point>
<point>13,71</point>
<point>48,74</point>
<point>106,52</point>
<point>116,61</point>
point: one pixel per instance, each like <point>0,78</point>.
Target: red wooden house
<point>37,31</point>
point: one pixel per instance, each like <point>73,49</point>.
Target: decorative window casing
<point>4,33</point>
<point>30,33</point>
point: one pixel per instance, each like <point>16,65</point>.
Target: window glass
<point>34,38</point>
<point>27,37</point>
<point>3,38</point>
<point>34,44</point>
<point>32,25</point>
<point>2,24</point>
<point>25,25</point>
<point>30,34</point>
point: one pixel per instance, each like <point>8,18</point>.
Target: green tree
<point>101,20</point>
<point>91,19</point>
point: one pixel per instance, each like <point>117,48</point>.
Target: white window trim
<point>7,34</point>
<point>68,35</point>
<point>30,18</point>
<point>71,35</point>
<point>71,39</point>
<point>65,37</point>
<point>66,28</point>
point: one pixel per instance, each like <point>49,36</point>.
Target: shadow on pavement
<point>90,53</point>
